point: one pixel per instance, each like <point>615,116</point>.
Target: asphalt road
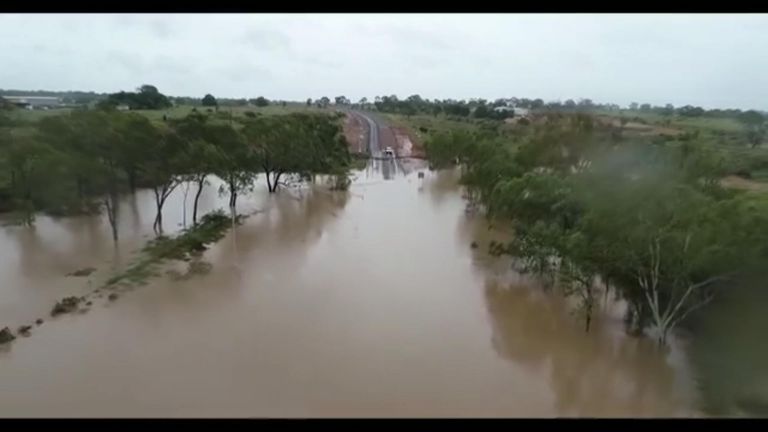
<point>386,165</point>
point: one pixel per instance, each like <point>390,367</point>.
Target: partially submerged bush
<point>67,305</point>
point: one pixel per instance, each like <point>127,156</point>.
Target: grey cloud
<point>173,65</point>
<point>246,72</point>
<point>160,28</point>
<point>266,39</point>
<point>413,37</point>
<point>705,60</point>
<point>130,62</point>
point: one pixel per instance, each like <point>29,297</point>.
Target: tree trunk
<point>589,319</point>
<point>158,225</point>
<point>269,180</point>
<point>184,205</point>
<point>110,202</point>
<point>200,184</point>
<point>232,195</point>
<point>275,181</point>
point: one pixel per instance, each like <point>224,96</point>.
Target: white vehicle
<point>389,152</point>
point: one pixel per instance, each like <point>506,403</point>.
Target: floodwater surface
<point>363,303</point>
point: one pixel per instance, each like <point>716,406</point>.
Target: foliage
<point>300,144</point>
<point>649,221</point>
<point>145,97</point>
<point>209,101</point>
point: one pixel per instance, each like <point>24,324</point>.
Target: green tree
<point>299,144</point>
<point>135,145</point>
<point>90,137</point>
<point>202,157</point>
<point>237,162</point>
<point>163,169</point>
<point>209,101</point>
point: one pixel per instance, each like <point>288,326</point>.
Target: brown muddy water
<point>367,303</point>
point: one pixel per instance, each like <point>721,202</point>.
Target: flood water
<point>366,303</point>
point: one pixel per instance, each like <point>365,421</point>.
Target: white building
<point>34,102</point>
<point>517,112</point>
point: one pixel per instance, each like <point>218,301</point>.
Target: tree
<point>146,97</point>
<point>690,111</point>
<point>28,161</point>
<point>162,170</point>
<point>482,111</point>
<point>135,144</point>
<point>90,137</point>
<point>299,144</point>
<point>261,101</point>
<point>309,101</point>
<point>638,218</point>
<point>755,135</point>
<point>237,162</point>
<point>633,106</point>
<point>202,156</point>
<point>209,101</point>
<point>755,125</point>
<point>751,118</point>
<point>324,101</point>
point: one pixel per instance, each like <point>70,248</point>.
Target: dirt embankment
<point>355,133</point>
<point>737,182</point>
<point>408,144</point>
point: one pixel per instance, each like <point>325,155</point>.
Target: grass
<point>421,126</point>
<point>33,116</point>
<point>181,111</point>
<point>176,112</point>
<point>190,242</point>
<point>708,124</point>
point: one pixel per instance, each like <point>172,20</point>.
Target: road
<point>379,162</point>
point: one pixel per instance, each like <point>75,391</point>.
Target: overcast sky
<point>708,60</point>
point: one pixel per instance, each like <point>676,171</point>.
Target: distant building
<point>517,112</point>
<point>521,112</point>
<point>34,102</point>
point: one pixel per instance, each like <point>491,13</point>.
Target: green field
<point>31,116</point>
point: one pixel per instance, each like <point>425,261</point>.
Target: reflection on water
<point>730,358</point>
<point>361,303</point>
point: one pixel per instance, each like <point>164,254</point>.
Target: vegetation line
<point>187,246</point>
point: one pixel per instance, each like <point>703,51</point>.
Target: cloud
<point>245,72</point>
<point>707,60</point>
<point>266,40</point>
<point>127,61</point>
<point>160,28</point>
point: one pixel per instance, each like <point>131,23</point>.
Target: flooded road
<point>367,303</point>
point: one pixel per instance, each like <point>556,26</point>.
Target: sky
<point>709,60</point>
